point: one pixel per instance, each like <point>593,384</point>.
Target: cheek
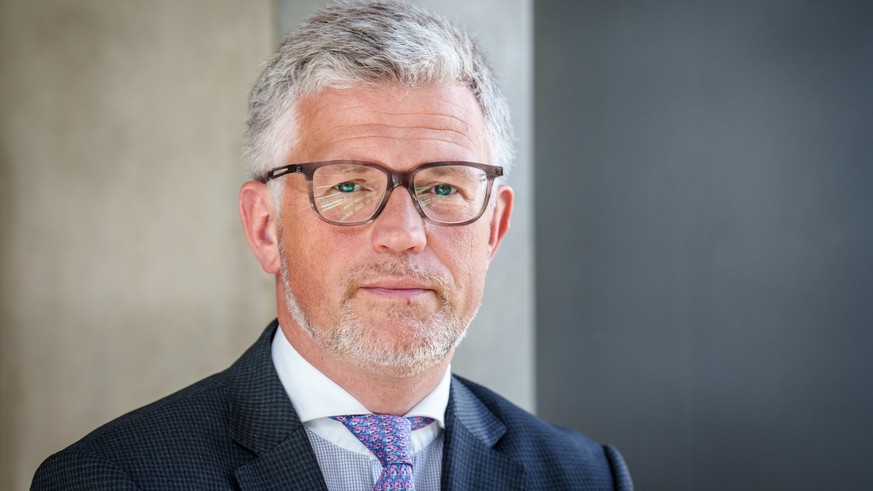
<point>318,255</point>
<point>466,255</point>
<point>303,253</point>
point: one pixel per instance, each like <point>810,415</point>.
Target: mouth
<point>396,289</point>
<point>396,282</point>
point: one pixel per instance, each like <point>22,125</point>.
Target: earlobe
<point>500,218</point>
<point>259,224</point>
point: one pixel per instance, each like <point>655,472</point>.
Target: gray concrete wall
<point>499,350</point>
<point>124,274</point>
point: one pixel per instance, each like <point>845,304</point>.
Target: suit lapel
<point>469,458</point>
<point>290,465</point>
<point>264,421</point>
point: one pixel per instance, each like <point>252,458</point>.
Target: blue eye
<point>443,189</point>
<point>347,187</point>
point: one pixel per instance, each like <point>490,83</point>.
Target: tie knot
<point>385,435</point>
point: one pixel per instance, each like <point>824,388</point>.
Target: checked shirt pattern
<point>387,437</point>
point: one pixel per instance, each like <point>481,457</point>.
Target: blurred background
<point>688,276</point>
<point>704,237</point>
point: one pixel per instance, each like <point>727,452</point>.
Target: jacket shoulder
<point>182,441</point>
<point>549,452</point>
<point>78,468</point>
<point>164,440</point>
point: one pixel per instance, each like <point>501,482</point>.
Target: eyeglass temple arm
<point>280,171</point>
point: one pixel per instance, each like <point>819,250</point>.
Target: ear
<point>500,216</point>
<point>259,224</point>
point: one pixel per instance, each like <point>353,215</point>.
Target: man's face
<point>398,292</point>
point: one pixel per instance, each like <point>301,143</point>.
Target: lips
<point>395,279</point>
<point>395,288</point>
<point>396,284</point>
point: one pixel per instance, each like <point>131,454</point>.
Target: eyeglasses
<point>349,192</point>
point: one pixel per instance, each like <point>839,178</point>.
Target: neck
<point>381,390</point>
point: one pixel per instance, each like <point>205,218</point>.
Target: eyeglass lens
<point>351,193</point>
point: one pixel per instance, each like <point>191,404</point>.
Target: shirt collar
<point>316,396</point>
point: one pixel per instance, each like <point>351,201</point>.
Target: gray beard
<point>353,339</point>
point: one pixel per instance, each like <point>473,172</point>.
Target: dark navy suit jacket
<point>238,430</point>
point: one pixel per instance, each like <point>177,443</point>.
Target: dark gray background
<point>704,235</point>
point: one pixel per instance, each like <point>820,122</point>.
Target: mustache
<point>396,268</point>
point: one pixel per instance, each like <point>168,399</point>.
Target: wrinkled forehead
<point>386,103</point>
<point>446,118</point>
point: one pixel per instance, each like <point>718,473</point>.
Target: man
<point>377,140</point>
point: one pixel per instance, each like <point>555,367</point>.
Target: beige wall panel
<point>124,274</point>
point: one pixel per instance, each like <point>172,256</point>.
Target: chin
<point>413,348</point>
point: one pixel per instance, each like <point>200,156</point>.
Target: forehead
<point>391,124</point>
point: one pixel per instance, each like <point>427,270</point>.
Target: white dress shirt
<point>345,462</point>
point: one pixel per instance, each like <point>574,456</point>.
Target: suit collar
<point>470,460</point>
<point>263,420</point>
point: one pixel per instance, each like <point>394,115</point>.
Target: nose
<point>399,229</point>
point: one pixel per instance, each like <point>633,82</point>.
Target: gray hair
<point>355,43</point>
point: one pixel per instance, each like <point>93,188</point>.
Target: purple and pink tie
<point>387,437</point>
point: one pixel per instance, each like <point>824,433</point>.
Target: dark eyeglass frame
<point>394,179</point>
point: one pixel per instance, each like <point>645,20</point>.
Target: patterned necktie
<point>388,438</point>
